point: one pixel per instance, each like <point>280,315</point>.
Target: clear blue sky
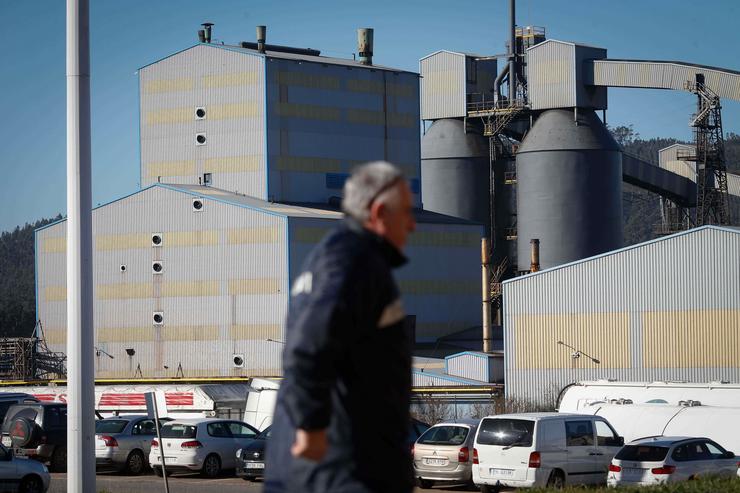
<point>127,34</point>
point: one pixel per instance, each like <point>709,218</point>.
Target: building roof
<point>345,62</point>
<point>572,43</point>
<point>728,229</point>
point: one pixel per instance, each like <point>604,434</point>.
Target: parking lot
<point>115,483</point>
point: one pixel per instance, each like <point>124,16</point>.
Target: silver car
<point>123,442</point>
<point>445,453</point>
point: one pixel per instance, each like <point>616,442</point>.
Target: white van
<point>543,449</point>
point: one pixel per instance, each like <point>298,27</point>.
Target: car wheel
<point>135,463</point>
<point>211,466</point>
<point>31,484</point>
<point>556,480</point>
<point>484,488</point>
<point>424,484</point>
<point>59,459</point>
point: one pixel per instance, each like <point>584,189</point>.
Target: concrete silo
<point>569,180</point>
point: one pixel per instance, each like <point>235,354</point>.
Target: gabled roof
<point>728,229</point>
<point>287,56</point>
<point>572,43</point>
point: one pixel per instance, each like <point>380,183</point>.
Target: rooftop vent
<point>365,45</point>
<point>261,36</point>
<point>204,35</point>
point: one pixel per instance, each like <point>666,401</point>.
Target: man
<point>342,419</point>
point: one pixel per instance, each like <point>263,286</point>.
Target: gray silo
<point>454,171</point>
<point>569,180</point>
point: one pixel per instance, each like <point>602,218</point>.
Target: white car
<point>207,445</point>
<point>22,475</point>
<point>542,449</point>
<point>443,453</point>
<point>659,459</point>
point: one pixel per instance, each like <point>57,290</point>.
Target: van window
<point>444,435</point>
<point>579,433</point>
<point>605,435</point>
<point>506,432</point>
<point>642,453</point>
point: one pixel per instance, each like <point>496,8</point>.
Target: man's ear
<point>377,211</point>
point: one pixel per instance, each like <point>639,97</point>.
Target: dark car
<point>38,431</point>
<point>250,460</point>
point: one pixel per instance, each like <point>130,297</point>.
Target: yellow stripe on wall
<point>258,332</point>
<point>228,80</point>
<point>308,111</point>
<point>366,117</point>
<point>169,115</point>
<point>123,242</point>
<point>401,90</point>
<point>308,80</point>
<point>309,164</point>
<point>254,286</point>
<point>190,238</point>
<point>253,235</point>
<point>166,333</point>
<point>231,111</point>
<point>168,85</point>
<point>124,291</point>
<point>189,333</point>
<point>174,289</point>
<point>233,164</point>
<point>170,168</point>
<point>55,293</point>
<point>125,334</point>
<point>604,336</point>
<point>691,339</point>
<point>404,120</point>
<point>362,85</point>
<point>438,286</point>
<point>308,235</point>
<point>446,239</point>
<point>54,245</point>
<point>55,336</point>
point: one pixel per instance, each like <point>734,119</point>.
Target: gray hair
<point>369,183</point>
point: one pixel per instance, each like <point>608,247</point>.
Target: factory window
<point>158,318</point>
<point>157,267</point>
<point>123,268</point>
<point>200,139</point>
<point>157,239</point>
<point>197,205</point>
<point>200,113</point>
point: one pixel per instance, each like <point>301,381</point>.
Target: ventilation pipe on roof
<point>365,45</point>
<point>534,264</point>
<point>206,32</point>
<point>261,35</point>
<point>485,259</point>
<point>201,36</point>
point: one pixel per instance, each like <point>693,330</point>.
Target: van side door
<point>580,444</point>
<point>608,444</point>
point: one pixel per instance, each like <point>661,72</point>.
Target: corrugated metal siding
<point>668,159</point>
<point>444,296</point>
<point>231,87</point>
<point>622,308</point>
<point>663,75</point>
<point>443,86</point>
<point>325,119</point>
<point>551,75</point>
<point>223,290</point>
<point>430,380</point>
<point>469,366</point>
<point>594,97</point>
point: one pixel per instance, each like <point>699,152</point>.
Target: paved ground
<point>115,483</point>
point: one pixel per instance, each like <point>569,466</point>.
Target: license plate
<point>431,461</point>
<point>7,441</point>
<point>254,465</point>
<point>632,472</point>
<point>19,452</point>
<point>502,472</point>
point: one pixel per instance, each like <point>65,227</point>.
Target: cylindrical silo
<point>569,189</point>
<point>454,171</point>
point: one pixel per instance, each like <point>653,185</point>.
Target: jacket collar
<point>392,255</point>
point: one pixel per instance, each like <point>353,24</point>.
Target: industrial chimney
<point>365,45</point>
<point>534,264</point>
<point>261,35</point>
<point>206,37</point>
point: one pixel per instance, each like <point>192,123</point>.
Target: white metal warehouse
<point>667,309</point>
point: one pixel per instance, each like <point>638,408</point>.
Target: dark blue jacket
<point>347,368</point>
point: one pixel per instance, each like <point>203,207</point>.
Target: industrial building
<point>244,152</point>
<point>667,309</point>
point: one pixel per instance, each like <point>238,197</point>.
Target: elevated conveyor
<point>676,188</point>
<point>655,74</point>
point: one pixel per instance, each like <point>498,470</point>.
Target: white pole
<point>80,372</point>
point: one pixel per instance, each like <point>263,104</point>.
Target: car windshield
<point>506,432</point>
<point>110,425</point>
<point>642,453</point>
<point>178,430</point>
<point>265,434</point>
<point>444,435</point>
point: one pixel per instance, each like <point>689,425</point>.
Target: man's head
<point>378,197</point>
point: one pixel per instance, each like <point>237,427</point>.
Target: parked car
<point>443,453</point>
<point>417,429</point>
<point>123,442</point>
<point>22,475</point>
<point>38,430</point>
<point>7,399</point>
<point>250,459</point>
<point>207,445</point>
<point>543,449</point>
<point>659,459</point>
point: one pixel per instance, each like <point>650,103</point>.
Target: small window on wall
<point>200,113</point>
<point>200,139</point>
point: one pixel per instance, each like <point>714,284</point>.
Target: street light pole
<point>80,338</point>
